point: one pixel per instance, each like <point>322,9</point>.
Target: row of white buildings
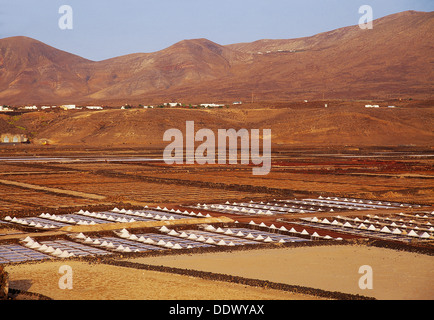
<point>376,106</point>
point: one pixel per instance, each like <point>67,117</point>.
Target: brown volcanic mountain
<point>394,59</point>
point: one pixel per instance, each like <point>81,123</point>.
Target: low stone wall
<point>4,283</point>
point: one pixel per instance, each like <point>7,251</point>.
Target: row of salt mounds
<point>292,230</point>
<point>158,217</point>
<point>194,237</point>
<point>32,244</point>
<point>105,244</point>
<point>24,222</point>
<point>372,227</point>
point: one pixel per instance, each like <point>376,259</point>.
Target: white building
<point>94,107</point>
<point>68,106</point>
<point>211,105</point>
<point>172,104</point>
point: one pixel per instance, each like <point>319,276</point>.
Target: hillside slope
<point>393,60</point>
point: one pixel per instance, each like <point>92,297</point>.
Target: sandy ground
<point>396,274</point>
<point>98,282</point>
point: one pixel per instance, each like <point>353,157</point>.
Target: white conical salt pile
<point>362,226</point>
<point>250,236</point>
<point>8,218</point>
<point>262,224</point>
<point>272,226</point>
<point>164,229</point>
<point>43,248</point>
<point>221,243</point>
<point>114,210</point>
<point>304,232</point>
<point>80,236</point>
<point>293,230</point>
<point>57,252</point>
<point>347,224</point>
<point>35,245</point>
<point>372,228</point>
<point>192,236</point>
<point>240,234</point>
<point>425,235</point>
<point>396,231</point>
<point>229,231</point>
<point>161,243</point>
<point>169,244</point>
<point>201,238</point>
<point>268,239</point>
<point>177,246</point>
<point>252,222</point>
<point>164,218</point>
<point>231,244</point>
<point>127,249</point>
<point>104,244</point>
<point>210,228</point>
<point>173,233</point>
<point>149,241</point>
<point>120,248</point>
<point>49,250</point>
<point>327,237</point>
<point>183,235</point>
<point>64,254</point>
<point>325,220</point>
<point>88,240</point>
<point>110,245</point>
<point>315,234</point>
<point>412,233</point>
<point>282,228</point>
<point>385,229</point>
<point>133,237</point>
<point>27,239</point>
<point>259,237</point>
<point>96,242</point>
<point>141,239</point>
<point>282,241</point>
<point>210,240</point>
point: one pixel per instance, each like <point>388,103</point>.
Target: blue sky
<point>106,28</point>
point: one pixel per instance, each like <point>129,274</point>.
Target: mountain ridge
<point>390,60</point>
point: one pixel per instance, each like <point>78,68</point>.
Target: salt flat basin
<point>396,274</point>
<point>77,159</point>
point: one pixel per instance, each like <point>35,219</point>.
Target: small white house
<point>211,105</point>
<point>172,104</point>
<point>94,107</point>
<point>68,106</point>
